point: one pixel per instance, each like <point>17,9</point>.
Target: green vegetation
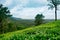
<point>11,28</point>
<point>39,19</point>
<point>4,14</point>
<point>21,23</point>
<point>48,31</point>
<point>9,24</point>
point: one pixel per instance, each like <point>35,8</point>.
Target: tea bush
<point>49,31</point>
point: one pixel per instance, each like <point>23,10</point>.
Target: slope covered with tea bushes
<point>48,31</point>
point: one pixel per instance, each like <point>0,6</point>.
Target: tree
<point>39,19</point>
<point>4,14</point>
<point>54,4</point>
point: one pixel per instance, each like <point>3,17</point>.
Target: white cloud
<point>18,10</point>
<point>8,2</point>
<point>30,13</point>
<point>41,1</point>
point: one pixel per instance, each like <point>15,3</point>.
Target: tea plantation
<point>48,31</point>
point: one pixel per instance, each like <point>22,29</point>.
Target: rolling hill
<point>48,31</point>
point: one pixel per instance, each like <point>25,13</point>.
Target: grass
<point>48,31</point>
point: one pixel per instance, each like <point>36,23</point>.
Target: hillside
<point>22,22</point>
<point>48,31</point>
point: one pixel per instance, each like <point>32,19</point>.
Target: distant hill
<point>48,31</point>
<point>22,23</point>
<point>14,18</point>
<point>26,22</point>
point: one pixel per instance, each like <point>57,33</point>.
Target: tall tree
<point>39,19</point>
<point>4,14</point>
<point>54,4</point>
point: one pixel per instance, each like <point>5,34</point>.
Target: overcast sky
<point>28,9</point>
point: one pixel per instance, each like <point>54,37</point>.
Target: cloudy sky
<point>28,9</point>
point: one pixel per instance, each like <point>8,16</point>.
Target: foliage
<point>49,31</point>
<point>39,19</point>
<point>4,14</point>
